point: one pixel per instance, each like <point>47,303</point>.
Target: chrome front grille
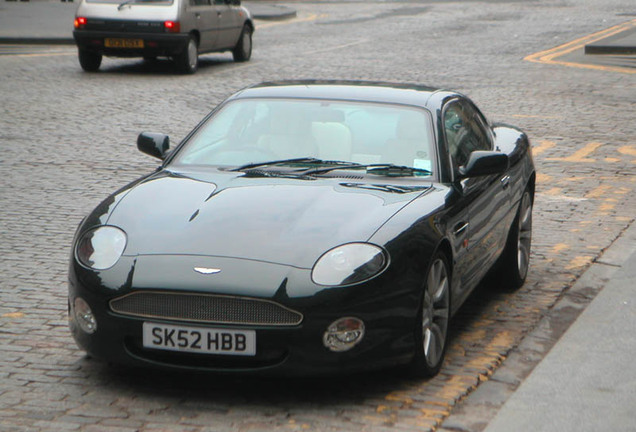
<point>205,308</point>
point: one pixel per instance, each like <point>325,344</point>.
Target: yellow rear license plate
<point>123,43</point>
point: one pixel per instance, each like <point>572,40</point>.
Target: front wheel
<point>431,335</point>
<point>89,60</point>
<point>188,61</point>
<point>515,259</point>
<point>243,49</point>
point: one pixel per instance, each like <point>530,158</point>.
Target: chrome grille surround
<point>205,308</point>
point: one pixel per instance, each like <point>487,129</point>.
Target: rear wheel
<point>515,259</point>
<point>243,49</point>
<point>89,60</point>
<point>432,331</point>
<point>188,60</point>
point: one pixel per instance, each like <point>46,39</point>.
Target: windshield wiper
<point>124,3</point>
<point>303,160</point>
<point>396,170</point>
<point>382,169</point>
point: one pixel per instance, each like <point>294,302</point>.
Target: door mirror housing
<point>153,144</point>
<point>481,163</point>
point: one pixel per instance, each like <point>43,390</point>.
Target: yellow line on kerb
<point>549,56</point>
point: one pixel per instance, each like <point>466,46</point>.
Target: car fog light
<point>84,316</point>
<point>343,334</point>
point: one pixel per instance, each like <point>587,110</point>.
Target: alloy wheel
<point>435,312</point>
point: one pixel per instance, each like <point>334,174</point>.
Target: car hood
<point>278,220</point>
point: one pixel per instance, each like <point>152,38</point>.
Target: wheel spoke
<point>430,346</point>
<point>428,335</point>
<point>523,258</point>
<point>442,289</point>
<point>426,321</point>
<point>441,313</point>
<point>435,345</point>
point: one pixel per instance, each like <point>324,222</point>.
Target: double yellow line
<point>550,56</point>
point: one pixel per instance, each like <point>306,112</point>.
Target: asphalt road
<point>67,139</point>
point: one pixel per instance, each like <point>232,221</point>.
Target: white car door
<point>230,24</point>
<point>203,18</point>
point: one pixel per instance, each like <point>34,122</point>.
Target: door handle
<point>197,15</point>
<point>505,181</point>
<point>460,228</point>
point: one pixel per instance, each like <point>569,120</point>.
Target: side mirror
<point>482,163</point>
<point>154,144</point>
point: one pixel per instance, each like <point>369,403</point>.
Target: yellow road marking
<point>579,261</point>
<point>543,146</point>
<point>629,151</point>
<point>13,315</point>
<point>543,178</point>
<point>555,191</point>
<point>560,247</point>
<point>549,56</point>
<point>599,191</point>
<point>581,154</point>
<point>399,396</point>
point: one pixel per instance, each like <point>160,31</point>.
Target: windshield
<point>256,131</point>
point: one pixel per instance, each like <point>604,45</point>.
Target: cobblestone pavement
<point>67,140</point>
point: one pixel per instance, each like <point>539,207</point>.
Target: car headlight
<point>348,264</point>
<point>101,247</point>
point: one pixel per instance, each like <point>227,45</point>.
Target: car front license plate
<point>123,43</point>
<point>199,339</point>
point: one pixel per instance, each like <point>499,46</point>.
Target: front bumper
<point>154,44</point>
<point>291,350</point>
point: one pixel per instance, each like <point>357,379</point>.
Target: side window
<point>199,2</point>
<point>464,132</point>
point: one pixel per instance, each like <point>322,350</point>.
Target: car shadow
<point>265,391</point>
<point>162,65</point>
<point>257,390</point>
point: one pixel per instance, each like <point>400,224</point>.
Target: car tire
<point>188,61</point>
<point>431,333</point>
<point>513,264</point>
<point>243,50</point>
<point>89,60</point>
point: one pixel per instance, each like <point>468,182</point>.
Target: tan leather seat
<point>333,140</point>
<point>289,136</point>
<point>411,141</point>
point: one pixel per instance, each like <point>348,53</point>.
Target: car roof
<point>366,91</point>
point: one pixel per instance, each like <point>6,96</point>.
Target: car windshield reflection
<point>321,135</point>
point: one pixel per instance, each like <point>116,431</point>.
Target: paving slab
<point>587,382</point>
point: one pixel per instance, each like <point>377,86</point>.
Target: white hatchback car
<point>180,29</point>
